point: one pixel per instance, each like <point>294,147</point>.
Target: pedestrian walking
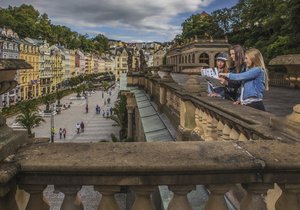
<point>78,127</point>
<point>52,134</point>
<point>97,109</point>
<point>64,133</point>
<point>111,110</point>
<point>87,108</point>
<point>82,126</point>
<point>60,133</point>
<point>103,113</point>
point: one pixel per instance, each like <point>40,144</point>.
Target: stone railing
<point>199,117</point>
<point>142,167</point>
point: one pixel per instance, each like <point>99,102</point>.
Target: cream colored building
<point>121,65</point>
<point>158,57</point>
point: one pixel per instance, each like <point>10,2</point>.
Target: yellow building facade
<point>58,73</point>
<point>29,79</point>
<point>72,63</point>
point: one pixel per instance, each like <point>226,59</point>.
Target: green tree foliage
<point>269,25</point>
<point>28,22</point>
<point>29,119</point>
<point>120,116</point>
<point>201,26</point>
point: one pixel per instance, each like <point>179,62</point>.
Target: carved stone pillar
<point>255,196</point>
<point>130,121</point>
<point>36,200</point>
<point>180,200</point>
<point>216,199</point>
<point>234,134</point>
<point>220,127</point>
<point>242,137</point>
<point>225,132</point>
<point>71,200</point>
<point>108,201</point>
<point>289,198</point>
<point>7,198</point>
<point>143,198</point>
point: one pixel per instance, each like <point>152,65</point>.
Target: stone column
<point>108,201</point>
<point>71,200</point>
<point>290,197</point>
<point>143,198</point>
<point>216,199</point>
<point>130,121</point>
<point>180,200</point>
<point>7,198</point>
<point>255,197</point>
<point>36,200</point>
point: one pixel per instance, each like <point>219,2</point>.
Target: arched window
<point>204,58</point>
<point>193,58</point>
<point>185,59</point>
<point>189,58</point>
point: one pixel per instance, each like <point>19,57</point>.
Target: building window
<point>185,59</point>
<point>204,58</point>
<point>189,58</point>
<point>193,58</point>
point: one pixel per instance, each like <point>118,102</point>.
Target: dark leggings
<point>257,105</point>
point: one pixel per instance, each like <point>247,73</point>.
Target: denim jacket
<point>253,81</point>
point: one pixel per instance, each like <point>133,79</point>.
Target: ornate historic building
<point>196,53</point>
<point>57,59</point>
<point>9,48</point>
<point>29,80</point>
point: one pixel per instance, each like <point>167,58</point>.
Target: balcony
<point>141,167</point>
<point>218,148</point>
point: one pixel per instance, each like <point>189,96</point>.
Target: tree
<point>47,100</point>
<point>29,119</point>
<point>120,116</point>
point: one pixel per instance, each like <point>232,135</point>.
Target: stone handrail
<point>144,166</point>
<point>199,117</point>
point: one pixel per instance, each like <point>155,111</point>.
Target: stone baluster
<point>226,132</point>
<point>71,200</point>
<point>36,200</point>
<point>216,198</point>
<point>211,128</point>
<point>234,134</point>
<point>143,199</point>
<point>7,198</point>
<point>255,196</point>
<point>108,201</point>
<point>220,127</point>
<point>198,121</point>
<point>242,137</point>
<point>180,200</point>
<point>290,197</point>
<point>204,124</point>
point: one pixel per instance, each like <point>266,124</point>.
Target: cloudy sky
<point>127,20</point>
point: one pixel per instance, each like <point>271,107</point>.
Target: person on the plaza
<point>237,65</point>
<point>103,113</point>
<point>52,134</point>
<point>111,110</point>
<point>87,108</point>
<point>60,133</point>
<point>78,128</point>
<point>107,114</point>
<point>97,109</point>
<point>64,133</point>
<point>221,68</point>
<point>82,126</point>
<point>253,81</point>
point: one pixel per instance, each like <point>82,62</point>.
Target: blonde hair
<point>257,60</point>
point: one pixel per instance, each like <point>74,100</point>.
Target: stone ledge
<point>162,158</point>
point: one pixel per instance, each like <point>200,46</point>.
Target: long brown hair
<point>257,60</point>
<point>239,57</point>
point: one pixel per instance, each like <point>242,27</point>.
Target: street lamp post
<point>52,130</point>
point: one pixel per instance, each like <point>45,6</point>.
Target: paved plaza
<point>97,127</point>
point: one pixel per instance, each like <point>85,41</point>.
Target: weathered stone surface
<point>160,163</point>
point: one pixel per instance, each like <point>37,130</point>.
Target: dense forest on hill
<point>26,21</point>
<point>273,26</point>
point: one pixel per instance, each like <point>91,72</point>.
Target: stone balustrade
<point>142,167</point>
<point>199,117</point>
